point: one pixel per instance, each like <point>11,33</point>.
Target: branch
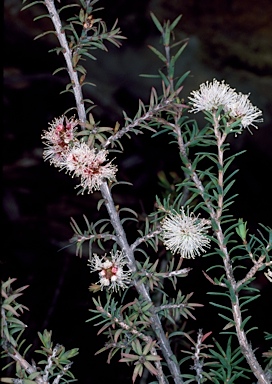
<point>140,335</point>
<point>142,290</point>
<point>138,121</point>
<point>98,236</point>
<point>68,59</point>
<point>16,356</point>
<point>121,236</point>
<point>253,270</point>
<point>236,309</point>
<point>216,215</point>
<point>140,240</point>
<point>171,306</point>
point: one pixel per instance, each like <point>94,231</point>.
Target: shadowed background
<point>228,40</point>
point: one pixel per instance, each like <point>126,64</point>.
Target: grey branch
<point>140,240</point>
<point>140,120</point>
<point>68,59</point>
<point>216,216</point>
<point>16,356</point>
<point>142,290</point>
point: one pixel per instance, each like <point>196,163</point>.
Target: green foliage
<point>172,309</point>
<point>93,133</point>
<point>225,367</point>
<point>84,33</point>
<point>10,311</point>
<point>142,359</point>
<point>57,361</point>
<point>144,323</point>
<point>95,232</point>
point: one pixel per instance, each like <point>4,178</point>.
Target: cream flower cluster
<point>86,163</point>
<point>114,272</point>
<point>213,95</point>
<point>268,275</point>
<point>185,234</point>
<point>65,151</point>
<point>57,138</point>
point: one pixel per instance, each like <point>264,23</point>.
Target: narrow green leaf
<point>58,70</point>
<point>179,52</point>
<point>158,53</point>
<point>226,318</point>
<point>244,322</point>
<point>44,34</point>
<point>156,22</point>
<point>221,306</point>
<point>249,300</point>
<point>175,23</point>
<point>31,4</point>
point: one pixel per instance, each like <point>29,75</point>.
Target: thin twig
<point>254,270</point>
<point>216,216</point>
<point>143,239</point>
<point>68,59</point>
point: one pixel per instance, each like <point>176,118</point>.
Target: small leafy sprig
<point>142,358</point>
<point>127,337</point>
<point>57,362</point>
<point>11,310</point>
<point>79,35</point>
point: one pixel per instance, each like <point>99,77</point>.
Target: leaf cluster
<point>11,310</point>
<point>215,364</point>
<point>57,361</point>
<point>141,358</point>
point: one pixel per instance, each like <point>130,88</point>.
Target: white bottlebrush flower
<point>211,96</point>
<point>236,106</point>
<point>242,108</point>
<point>88,164</point>
<point>185,234</point>
<point>57,139</point>
<point>114,272</point>
<point>268,275</point>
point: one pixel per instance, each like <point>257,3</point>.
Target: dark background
<point>228,40</point>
